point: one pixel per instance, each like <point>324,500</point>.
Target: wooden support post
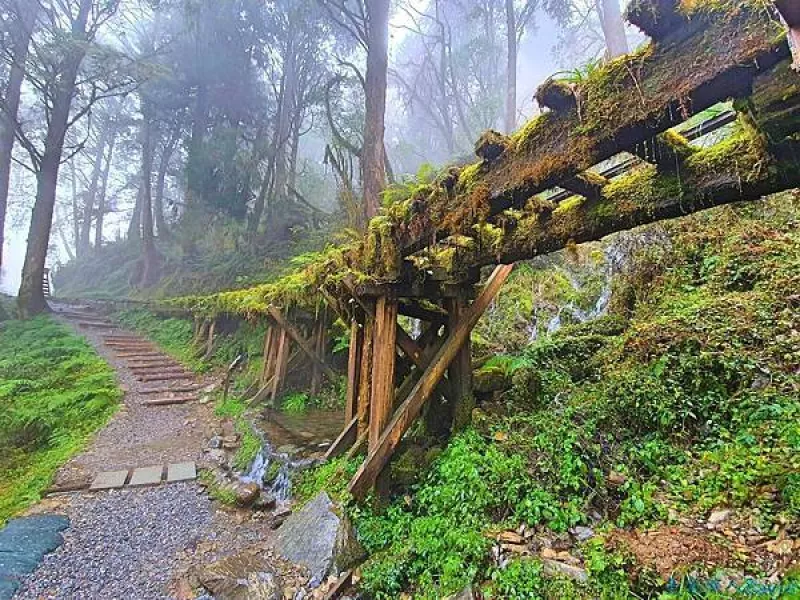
<point>460,372</point>
<point>202,334</point>
<point>318,344</point>
<point>281,363</point>
<point>381,452</point>
<point>210,342</point>
<point>266,368</point>
<point>365,370</point>
<point>384,357</point>
<point>353,371</point>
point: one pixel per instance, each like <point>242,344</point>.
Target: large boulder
<point>23,544</point>
<point>320,539</point>
<point>243,576</point>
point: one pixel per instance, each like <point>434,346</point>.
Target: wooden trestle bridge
<point>535,193</point>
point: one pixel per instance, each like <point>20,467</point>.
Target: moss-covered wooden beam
<point>720,51</point>
<point>740,168</point>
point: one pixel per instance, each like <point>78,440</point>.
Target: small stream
<point>290,442</point>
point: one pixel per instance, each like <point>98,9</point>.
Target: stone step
<point>144,476</point>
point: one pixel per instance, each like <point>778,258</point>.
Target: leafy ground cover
<point>669,429</point>
<point>55,392</point>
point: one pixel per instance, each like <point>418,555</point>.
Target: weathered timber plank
<point>384,355</point>
<point>281,360</point>
<point>365,376</point>
<point>353,366</point>
<point>380,454</point>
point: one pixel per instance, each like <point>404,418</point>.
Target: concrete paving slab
<point>181,472</point>
<point>146,476</point>
<point>108,480</point>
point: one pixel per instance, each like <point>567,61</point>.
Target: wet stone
<point>146,476</point>
<point>108,480</point>
<point>23,544</point>
<point>181,472</point>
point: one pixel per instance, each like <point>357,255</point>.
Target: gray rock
<point>215,442</point>
<point>242,576</point>
<point>319,539</point>
<point>718,516</point>
<point>555,568</point>
<point>247,494</point>
<point>23,544</point>
<point>465,594</point>
<point>581,533</point>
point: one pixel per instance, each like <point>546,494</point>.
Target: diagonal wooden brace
<point>301,342</point>
<point>410,409</point>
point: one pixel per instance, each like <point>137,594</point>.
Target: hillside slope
<point>654,452</point>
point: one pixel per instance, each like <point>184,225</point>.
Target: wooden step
<point>170,401</point>
<point>157,367</point>
<point>153,363</point>
<point>165,377</point>
<point>167,390</point>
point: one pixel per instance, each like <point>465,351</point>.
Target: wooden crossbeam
<point>301,342</point>
<point>415,311</point>
<point>405,415</point>
<point>587,184</point>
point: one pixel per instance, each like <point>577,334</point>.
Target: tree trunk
<point>91,193</point>
<point>76,225</point>
<point>20,40</point>
<point>135,224</point>
<point>30,299</point>
<point>283,131</point>
<point>373,160</point>
<point>101,197</point>
<point>163,166</point>
<point>613,27</point>
<point>511,67</point>
<point>149,252</point>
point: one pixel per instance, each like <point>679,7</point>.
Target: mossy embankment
<point>55,392</point>
<point>646,426</point>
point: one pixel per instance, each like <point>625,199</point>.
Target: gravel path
<point>122,544</point>
<point>138,435</point>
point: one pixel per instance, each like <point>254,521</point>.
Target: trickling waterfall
<point>278,485</point>
<point>616,256</point>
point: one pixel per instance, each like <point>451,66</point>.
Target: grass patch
<point>55,392</point>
